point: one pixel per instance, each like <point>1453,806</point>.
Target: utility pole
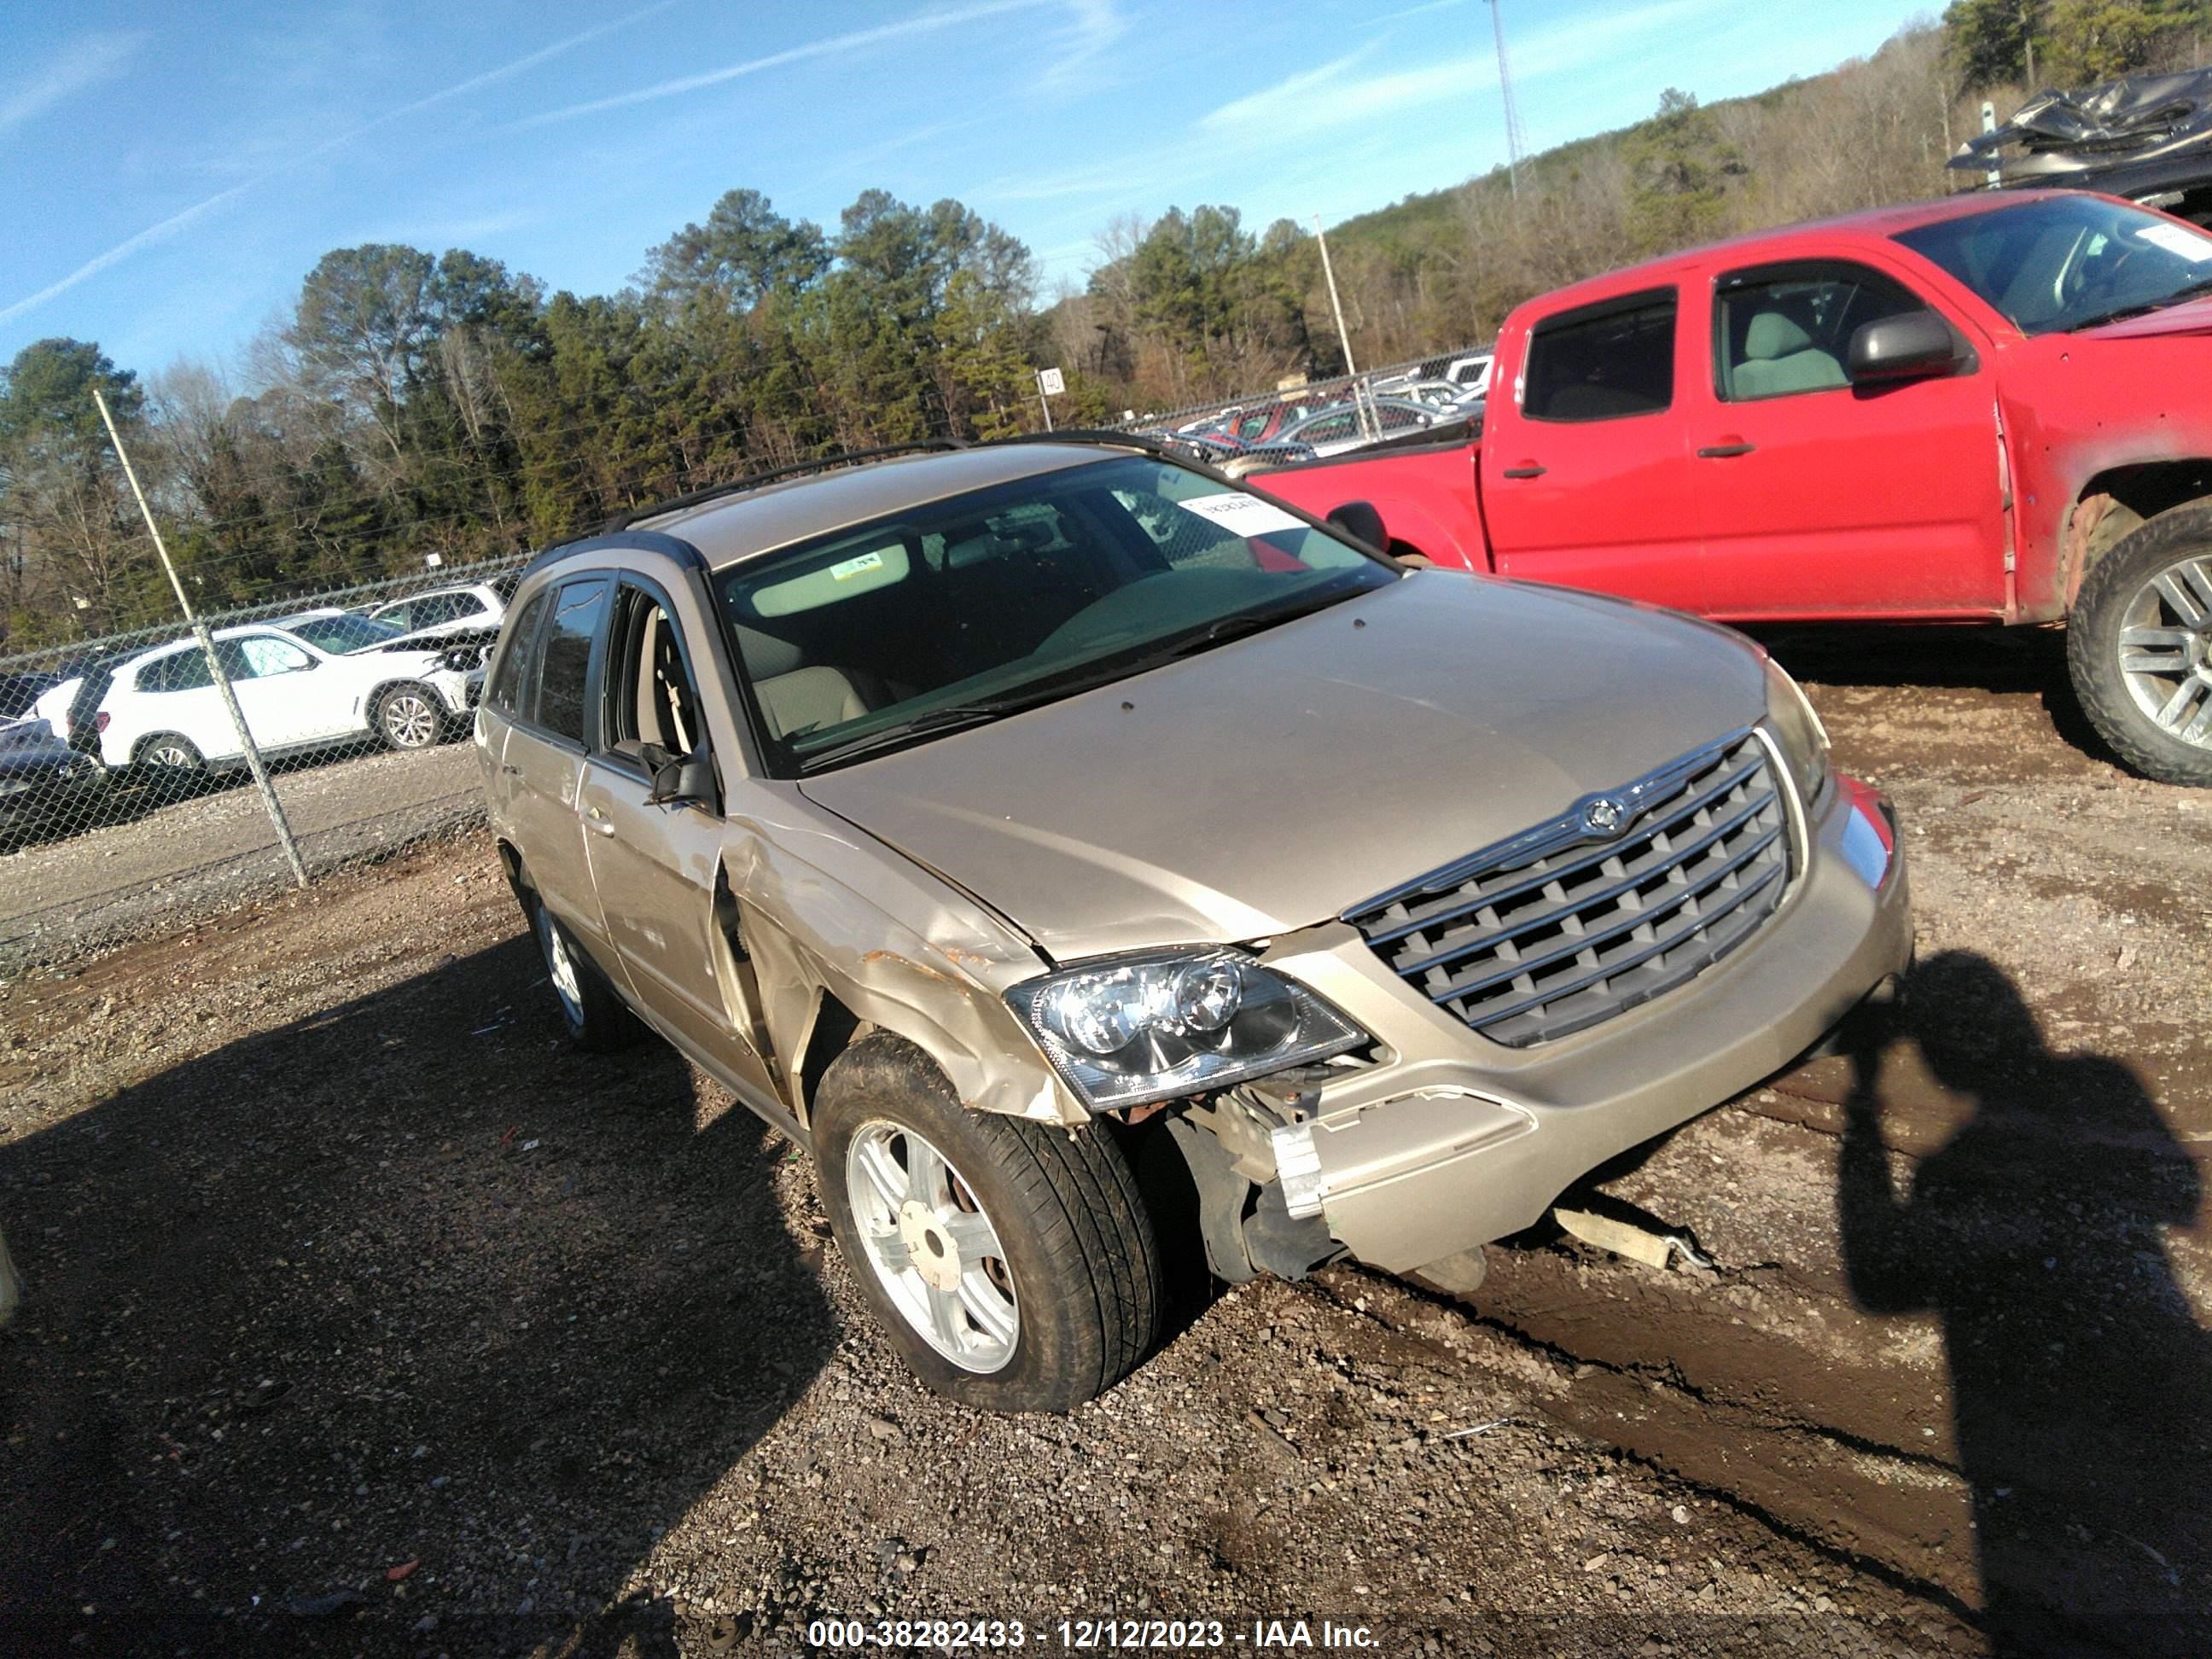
<point>1517,140</point>
<point>207,646</point>
<point>1366,427</point>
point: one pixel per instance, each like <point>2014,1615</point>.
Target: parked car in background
<point>1471,373</point>
<point>1261,424</point>
<point>19,692</point>
<point>1342,427</point>
<point>329,682</point>
<point>445,610</point>
<point>1994,408</point>
<point>989,822</point>
<point>44,783</point>
<point>54,704</point>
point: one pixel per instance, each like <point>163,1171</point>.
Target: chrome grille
<point>1566,925</point>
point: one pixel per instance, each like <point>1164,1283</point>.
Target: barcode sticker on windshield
<point>1246,515</point>
<point>852,567</point>
<point>2174,239</point>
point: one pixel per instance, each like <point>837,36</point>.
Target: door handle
<point>1722,451</point>
<point>1525,470</point>
<point>598,821</point>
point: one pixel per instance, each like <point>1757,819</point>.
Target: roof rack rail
<point>621,521</point>
<point>1150,443</point>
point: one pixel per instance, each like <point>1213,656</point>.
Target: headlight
<point>1152,1028</point>
<point>1797,732</point>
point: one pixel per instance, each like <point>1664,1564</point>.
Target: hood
<point>1277,780</point>
<point>2190,316</point>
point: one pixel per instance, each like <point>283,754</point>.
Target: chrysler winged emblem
<point>1603,815</point>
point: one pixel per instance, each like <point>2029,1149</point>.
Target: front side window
<point>1788,329</point>
<point>972,608</point>
<point>652,699</point>
<point>1604,361</point>
<point>2062,263</point>
<point>565,660</point>
<point>266,655</point>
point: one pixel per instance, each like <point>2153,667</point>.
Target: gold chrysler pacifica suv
<point>996,822</point>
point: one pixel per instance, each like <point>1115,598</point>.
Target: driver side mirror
<point>1913,346</point>
<point>680,780</point>
<point>1360,521</point>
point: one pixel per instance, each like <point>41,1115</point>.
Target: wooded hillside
<point>416,403</point>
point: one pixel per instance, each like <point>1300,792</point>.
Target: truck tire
<point>598,1020</point>
<point>2139,646</point>
<point>1012,1263</point>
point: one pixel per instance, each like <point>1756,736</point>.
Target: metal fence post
<point>207,645</point>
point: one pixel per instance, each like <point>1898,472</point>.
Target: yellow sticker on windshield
<point>852,567</point>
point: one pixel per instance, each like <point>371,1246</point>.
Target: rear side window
<point>1603,362</point>
<point>565,659</point>
<point>514,668</point>
<point>186,670</point>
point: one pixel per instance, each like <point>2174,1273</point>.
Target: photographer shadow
<point>401,1313</point>
<point>2079,1376</point>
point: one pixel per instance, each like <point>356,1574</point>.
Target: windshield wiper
<point>950,717</point>
<point>2203,285</point>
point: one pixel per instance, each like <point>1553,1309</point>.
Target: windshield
<point>969,608</point>
<point>338,635</point>
<point>2068,262</point>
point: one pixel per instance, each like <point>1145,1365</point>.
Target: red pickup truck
<point>1994,408</point>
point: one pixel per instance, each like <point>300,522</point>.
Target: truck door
<point>657,866</point>
<point>1823,499</point>
<point>1585,463</point>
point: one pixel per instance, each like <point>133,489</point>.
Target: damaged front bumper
<point>1454,1140</point>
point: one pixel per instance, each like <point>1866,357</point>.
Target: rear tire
<point>2139,646</point>
<point>598,1020</point>
<point>1044,1263</point>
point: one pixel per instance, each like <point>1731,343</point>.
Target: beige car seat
<point>794,697</point>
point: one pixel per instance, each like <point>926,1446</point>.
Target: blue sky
<point>171,172</point>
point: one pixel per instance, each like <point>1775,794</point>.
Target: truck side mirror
<point>1910,346</point>
<point>1360,521</point>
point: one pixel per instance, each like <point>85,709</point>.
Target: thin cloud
<point>1327,97</point>
<point>1094,28</point>
<point>83,63</point>
<point>176,223</point>
<point>833,46</point>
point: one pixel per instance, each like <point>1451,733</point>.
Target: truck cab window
<point>1783,330</point>
<point>1604,361</point>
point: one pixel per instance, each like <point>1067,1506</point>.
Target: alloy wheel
<point>409,720</point>
<point>2166,649</point>
<point>561,967</point>
<point>932,1247</point>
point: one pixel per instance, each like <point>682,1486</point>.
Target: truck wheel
<point>409,716</point>
<point>598,1020</point>
<point>1012,1263</point>
<point>2139,646</point>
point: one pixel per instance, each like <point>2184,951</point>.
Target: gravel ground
<point>155,866</point>
<point>363,1316</point>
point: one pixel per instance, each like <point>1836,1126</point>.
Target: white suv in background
<point>319,681</point>
<point>445,610</point>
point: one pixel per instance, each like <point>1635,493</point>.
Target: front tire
<point>2139,646</point>
<point>409,716</point>
<point>1012,1263</point>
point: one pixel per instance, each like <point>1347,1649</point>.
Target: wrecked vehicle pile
<point>2148,138</point>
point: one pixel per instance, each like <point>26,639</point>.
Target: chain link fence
<point>125,791</point>
<point>124,784</point>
